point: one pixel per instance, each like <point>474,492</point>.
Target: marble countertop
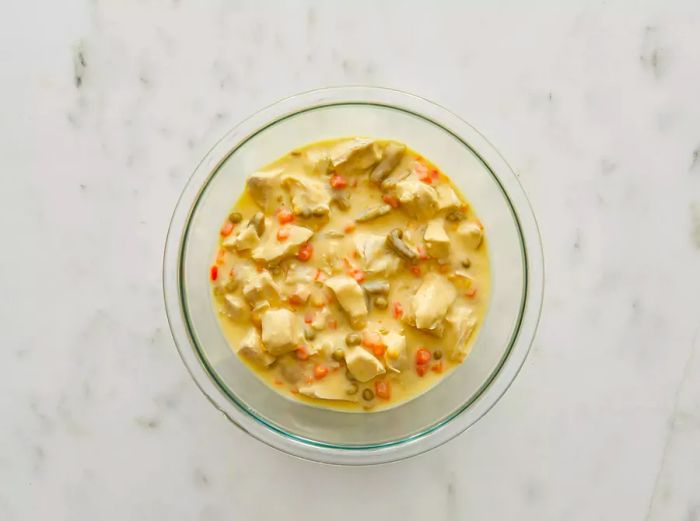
<point>108,106</point>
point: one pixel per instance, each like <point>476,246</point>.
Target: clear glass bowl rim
<point>451,426</point>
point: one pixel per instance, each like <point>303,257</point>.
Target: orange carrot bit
<point>309,317</point>
<point>434,174</point>
<point>214,272</point>
<point>320,371</point>
<point>220,256</point>
<point>301,353</point>
<point>278,382</point>
<point>379,350</point>
<point>226,229</point>
<point>398,310</point>
<point>382,389</point>
<point>295,299</point>
<point>374,341</point>
<point>294,390</point>
<point>332,323</point>
<point>349,228</point>
<point>358,275</point>
<point>338,181</point>
<point>422,172</point>
<point>390,200</point>
<point>415,269</point>
<point>284,215</point>
<point>437,367</point>
<point>306,250</point>
<point>471,293</point>
<point>282,234</point>
<point>422,356</point>
<point>421,369</point>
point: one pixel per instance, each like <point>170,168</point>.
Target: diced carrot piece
<point>214,272</point>
<point>282,234</point>
<point>390,200</point>
<point>398,310</point>
<point>320,371</point>
<point>382,389</point>
<point>306,250</point>
<point>437,367</point>
<point>309,317</point>
<point>332,323</point>
<point>434,174</point>
<point>422,356</point>
<point>220,256</point>
<point>358,275</point>
<point>471,293</point>
<point>301,353</point>
<point>295,299</point>
<point>379,350</point>
<point>285,215</point>
<point>415,269</point>
<point>278,382</point>
<point>349,228</point>
<point>338,181</point>
<point>226,229</point>
<point>421,369</point>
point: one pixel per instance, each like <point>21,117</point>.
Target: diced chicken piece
<point>264,188</point>
<point>349,295</point>
<point>391,156</point>
<point>272,249</point>
<point>280,331</point>
<point>395,356</point>
<point>234,307</point>
<point>317,162</point>
<point>291,370</point>
<point>320,319</point>
<point>432,300</point>
<point>447,198</point>
<point>436,240</point>
<point>362,364</point>
<point>245,239</point>
<point>251,347</point>
<point>335,386</point>
<point>374,255</point>
<point>418,199</point>
<point>354,156</point>
<point>309,196</point>
<point>260,287</point>
<point>461,322</point>
<point>461,279</point>
<point>299,273</point>
<point>471,233</point>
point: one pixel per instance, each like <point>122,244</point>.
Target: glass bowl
<point>516,268</point>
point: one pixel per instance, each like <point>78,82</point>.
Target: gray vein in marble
<point>695,161</point>
<point>673,421</point>
<point>653,56</point>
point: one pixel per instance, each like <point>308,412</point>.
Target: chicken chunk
<point>354,156</point>
<point>461,322</point>
<point>395,356</point>
<point>260,287</point>
<point>317,162</point>
<point>309,196</point>
<point>350,296</point>
<point>418,199</point>
<point>471,233</point>
<point>362,364</point>
<point>374,256</point>
<point>264,188</point>
<point>234,307</point>
<point>391,156</point>
<point>436,240</point>
<point>273,250</point>
<point>280,331</point>
<point>432,300</point>
<point>245,239</point>
<point>333,387</point>
<point>251,347</point>
<point>447,198</point>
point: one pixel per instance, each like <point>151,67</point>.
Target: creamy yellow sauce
<point>289,292</point>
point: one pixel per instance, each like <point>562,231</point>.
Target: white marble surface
<point>595,104</point>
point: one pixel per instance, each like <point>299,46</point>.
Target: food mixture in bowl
<point>351,274</point>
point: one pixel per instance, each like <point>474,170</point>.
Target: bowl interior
<point>508,270</point>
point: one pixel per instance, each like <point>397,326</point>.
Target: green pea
<point>353,339</point>
<point>437,354</point>
<point>368,394</point>
<point>338,355</point>
<point>235,217</point>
